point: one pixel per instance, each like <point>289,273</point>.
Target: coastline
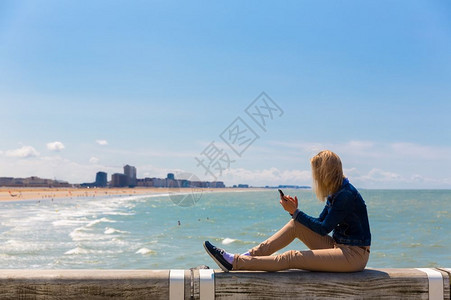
<point>27,194</point>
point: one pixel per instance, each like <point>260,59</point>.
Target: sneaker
<point>216,254</point>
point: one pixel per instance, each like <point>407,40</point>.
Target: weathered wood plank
<point>84,284</point>
<point>447,283</point>
<point>371,283</point>
<point>154,284</point>
<point>196,287</point>
<point>187,284</point>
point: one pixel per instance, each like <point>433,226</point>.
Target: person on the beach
<point>345,213</point>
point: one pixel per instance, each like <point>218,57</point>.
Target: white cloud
<point>351,172</point>
<point>154,171</point>
<point>93,160</point>
<point>379,178</point>
<point>424,152</point>
<point>55,146</point>
<point>367,164</point>
<point>353,147</point>
<point>24,152</point>
<point>381,175</point>
<point>102,142</point>
<point>271,176</point>
<point>358,148</point>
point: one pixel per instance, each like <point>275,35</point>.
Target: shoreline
<point>8,194</point>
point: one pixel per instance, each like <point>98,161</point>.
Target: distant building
<point>170,181</point>
<point>159,182</point>
<point>182,183</point>
<point>7,181</point>
<point>243,186</point>
<point>130,172</point>
<point>32,181</point>
<point>294,187</point>
<point>119,180</point>
<point>101,179</point>
<point>200,184</point>
<point>146,182</point>
<point>217,184</point>
<point>127,179</point>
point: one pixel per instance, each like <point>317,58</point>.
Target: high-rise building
<point>101,179</point>
<point>119,180</point>
<point>130,172</point>
<point>170,181</point>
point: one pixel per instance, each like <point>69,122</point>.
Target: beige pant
<point>324,254</point>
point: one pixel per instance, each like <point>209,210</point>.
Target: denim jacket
<point>345,213</point>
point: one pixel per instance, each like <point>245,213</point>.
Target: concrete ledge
<point>215,284</point>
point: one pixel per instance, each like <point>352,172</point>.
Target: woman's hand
<point>289,203</point>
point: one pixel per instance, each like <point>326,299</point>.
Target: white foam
<point>146,251</point>
<point>109,230</point>
<point>118,241</point>
<point>102,220</point>
<point>66,222</point>
<point>80,234</point>
<point>117,213</point>
<point>81,250</point>
<point>76,251</point>
<point>14,247</point>
<point>227,241</point>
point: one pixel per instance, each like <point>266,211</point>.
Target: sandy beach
<point>18,194</point>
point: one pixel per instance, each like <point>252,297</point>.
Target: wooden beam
<point>155,284</point>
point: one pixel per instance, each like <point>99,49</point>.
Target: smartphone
<point>281,195</point>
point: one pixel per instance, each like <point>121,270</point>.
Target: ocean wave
<point>237,241</point>
<point>146,251</point>
<point>119,241</point>
<point>110,230</point>
<point>117,213</point>
<point>76,251</point>
<point>81,250</point>
<point>19,247</point>
<point>97,221</point>
<point>80,234</point>
<point>79,229</point>
<point>228,241</point>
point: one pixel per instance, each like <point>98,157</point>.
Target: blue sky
<point>94,85</point>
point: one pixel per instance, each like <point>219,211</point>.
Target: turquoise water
<point>410,228</point>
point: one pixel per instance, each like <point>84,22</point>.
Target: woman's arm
<point>327,221</point>
<point>323,214</point>
<point>290,204</point>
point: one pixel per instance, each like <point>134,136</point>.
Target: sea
<point>410,228</point>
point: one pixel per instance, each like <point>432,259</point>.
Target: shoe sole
<point>216,261</point>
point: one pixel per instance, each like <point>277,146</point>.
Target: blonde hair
<point>327,173</point>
